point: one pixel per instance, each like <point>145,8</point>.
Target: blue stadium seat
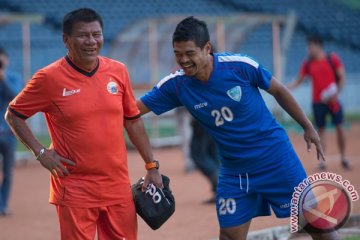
<point>337,23</point>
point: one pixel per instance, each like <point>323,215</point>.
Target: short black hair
<point>315,39</point>
<point>80,15</point>
<point>192,29</point>
<point>3,51</point>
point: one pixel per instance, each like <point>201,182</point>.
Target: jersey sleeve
<point>33,98</point>
<point>131,111</point>
<point>304,70</point>
<point>161,98</point>
<point>336,61</point>
<point>256,73</point>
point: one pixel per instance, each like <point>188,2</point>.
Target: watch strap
<point>41,152</point>
<point>151,165</point>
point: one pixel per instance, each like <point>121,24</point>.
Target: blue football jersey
<point>230,107</point>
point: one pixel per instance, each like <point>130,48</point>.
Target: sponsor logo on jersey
<point>70,92</point>
<point>112,87</point>
<point>234,93</point>
<point>200,105</point>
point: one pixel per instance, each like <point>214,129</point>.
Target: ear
<point>65,40</point>
<point>207,48</point>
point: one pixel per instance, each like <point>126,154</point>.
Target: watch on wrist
<point>151,165</point>
<point>41,152</point>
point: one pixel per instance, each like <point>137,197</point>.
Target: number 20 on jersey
<point>222,115</point>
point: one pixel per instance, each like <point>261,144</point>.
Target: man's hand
<point>54,163</point>
<point>153,176</point>
<point>139,138</point>
<point>333,98</point>
<point>296,82</point>
<point>311,136</point>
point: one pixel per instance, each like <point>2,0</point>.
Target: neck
<point>205,73</point>
<point>320,55</point>
<point>87,66</point>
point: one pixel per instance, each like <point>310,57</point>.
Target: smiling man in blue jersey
<point>259,168</point>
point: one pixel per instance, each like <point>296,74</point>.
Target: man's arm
<point>141,106</point>
<point>289,104</point>
<point>341,76</point>
<point>299,80</point>
<point>139,137</point>
<point>49,159</point>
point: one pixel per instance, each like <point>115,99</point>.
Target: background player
<point>205,155</point>
<point>10,86</point>
<point>259,166</point>
<point>328,78</point>
<point>87,101</point>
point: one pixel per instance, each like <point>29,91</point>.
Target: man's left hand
<point>311,136</point>
<point>153,176</point>
<point>333,98</point>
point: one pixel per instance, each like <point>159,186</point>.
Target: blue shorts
<point>242,196</point>
<point>321,110</point>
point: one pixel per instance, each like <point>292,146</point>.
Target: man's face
<point>191,58</point>
<point>85,42</point>
<point>313,49</point>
